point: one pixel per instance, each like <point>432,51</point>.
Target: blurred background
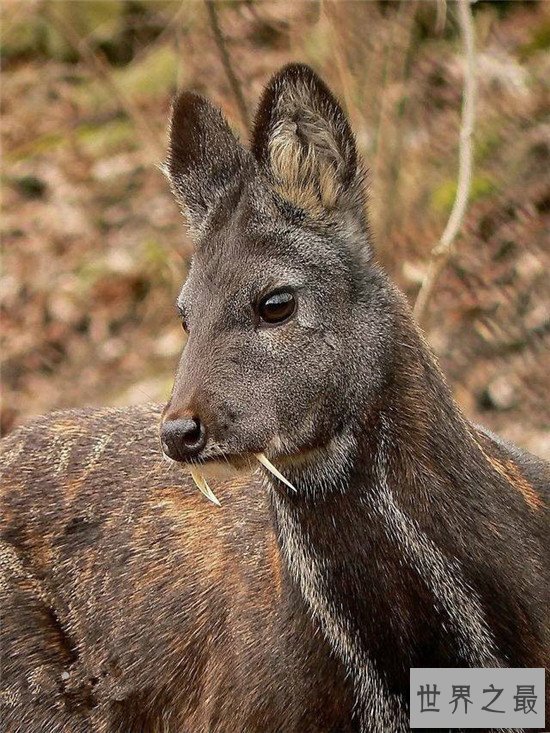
<point>94,247</point>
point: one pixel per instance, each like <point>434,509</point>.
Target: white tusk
<point>270,467</point>
<point>203,487</point>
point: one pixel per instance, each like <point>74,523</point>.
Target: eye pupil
<point>277,307</point>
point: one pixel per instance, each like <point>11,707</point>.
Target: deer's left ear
<point>303,141</point>
<point>205,160</point>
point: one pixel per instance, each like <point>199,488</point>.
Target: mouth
<point>236,462</point>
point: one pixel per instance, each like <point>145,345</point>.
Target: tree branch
<point>226,61</point>
<point>444,250</point>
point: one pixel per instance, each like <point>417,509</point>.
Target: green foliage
<point>486,144</point>
<point>155,259</point>
<point>111,26</point>
<point>317,44</point>
<point>443,196</point>
<point>540,41</point>
<point>43,33</point>
<point>154,75</point>
<point>99,19</point>
<point>110,137</point>
<point>23,37</point>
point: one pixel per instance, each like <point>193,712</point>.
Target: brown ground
<point>94,246</point>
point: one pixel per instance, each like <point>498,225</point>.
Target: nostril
<point>193,431</point>
<point>183,438</point>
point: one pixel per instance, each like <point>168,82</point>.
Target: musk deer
<point>402,535</point>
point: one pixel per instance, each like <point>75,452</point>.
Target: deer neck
<point>356,540</point>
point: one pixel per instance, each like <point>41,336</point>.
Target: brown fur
<point>154,608</point>
<point>413,538</point>
<point>510,472</point>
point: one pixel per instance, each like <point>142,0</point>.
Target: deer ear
<point>204,160</point>
<point>303,141</point>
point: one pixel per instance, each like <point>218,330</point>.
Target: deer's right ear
<point>303,141</point>
<point>204,157</point>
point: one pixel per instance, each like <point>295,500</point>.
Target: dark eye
<point>277,307</point>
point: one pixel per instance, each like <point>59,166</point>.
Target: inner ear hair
<point>306,170</point>
<point>303,140</point>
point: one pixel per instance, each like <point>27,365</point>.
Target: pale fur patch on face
<point>225,471</point>
<point>322,469</point>
<point>218,470</point>
<point>213,469</point>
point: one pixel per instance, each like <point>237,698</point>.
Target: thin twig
<point>226,61</point>
<point>328,10</point>
<point>440,16</point>
<point>392,112</point>
<point>444,250</point>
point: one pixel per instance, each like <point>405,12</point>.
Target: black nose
<point>183,438</point>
